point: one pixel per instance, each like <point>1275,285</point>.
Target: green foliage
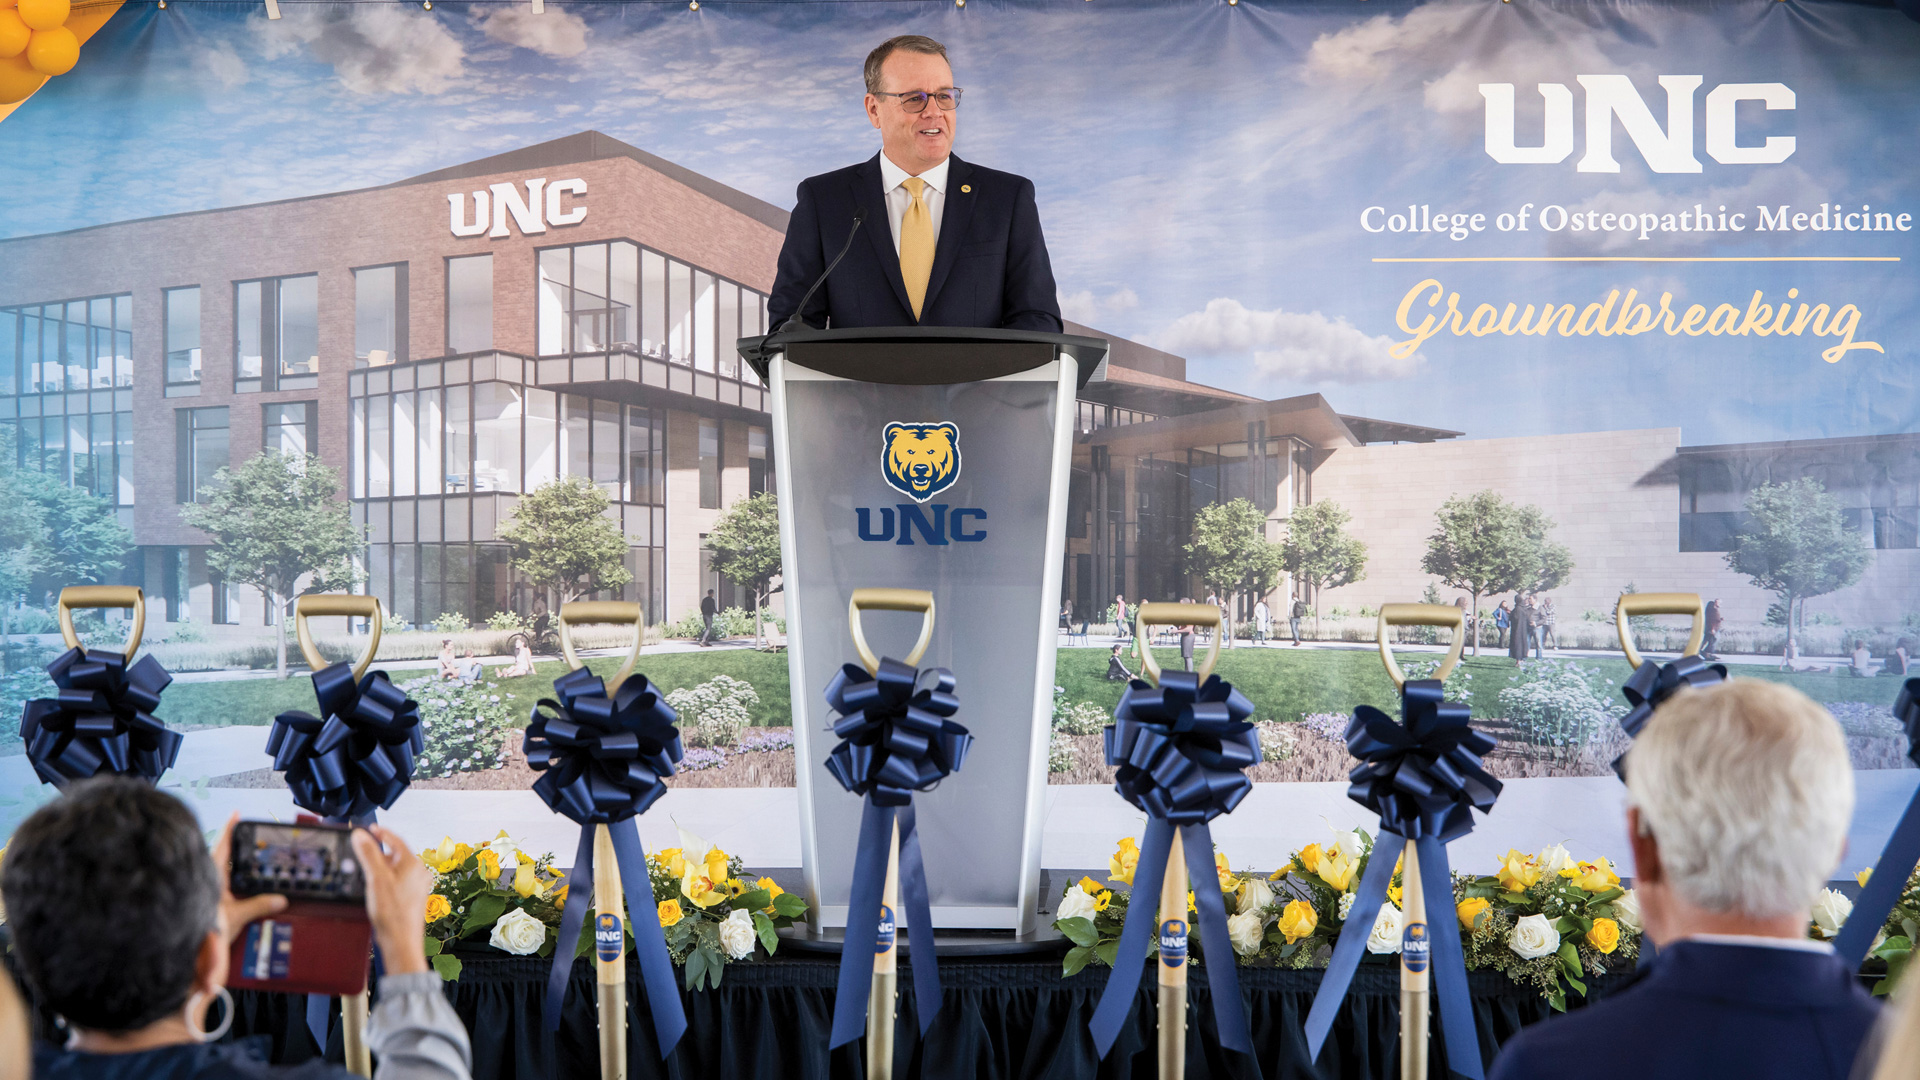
<point>1797,544</point>
<point>85,540</point>
<point>393,623</point>
<point>511,622</point>
<point>275,521</point>
<point>1484,545</point>
<point>716,712</point>
<point>563,540</point>
<point>476,901</point>
<point>1558,704</point>
<point>1061,755</point>
<point>466,727</point>
<point>694,940</point>
<point>1318,552</point>
<point>1230,551</point>
<point>451,622</point>
<point>745,541</point>
<point>1078,717</point>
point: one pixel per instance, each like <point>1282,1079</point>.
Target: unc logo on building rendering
<point>920,460</point>
<point>1608,96</point>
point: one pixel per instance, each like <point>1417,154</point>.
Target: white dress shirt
<point>1756,941</point>
<point>892,182</point>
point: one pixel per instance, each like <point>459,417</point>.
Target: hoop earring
<point>226,1018</point>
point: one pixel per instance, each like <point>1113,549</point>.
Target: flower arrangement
<point>1892,943</point>
<point>466,727</point>
<point>1543,920</point>
<point>493,888</point>
<point>711,912</point>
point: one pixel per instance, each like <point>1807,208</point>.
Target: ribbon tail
<point>1353,939</point>
<point>863,921</point>
<point>1449,962</point>
<point>1883,889</point>
<point>649,941</point>
<point>927,995</point>
<point>1223,982</point>
<point>1116,1001</point>
<point>579,892</point>
<point>320,1020</point>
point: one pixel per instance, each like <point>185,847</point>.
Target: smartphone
<point>300,862</point>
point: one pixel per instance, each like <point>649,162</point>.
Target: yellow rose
<point>716,864</point>
<point>1227,881</point>
<point>1471,909</point>
<point>460,853</point>
<point>672,860</point>
<point>773,892</point>
<point>525,881</point>
<point>1518,872</point>
<point>560,895</point>
<point>1605,935</point>
<point>489,864</point>
<point>1309,858</point>
<point>1596,876</point>
<point>1121,866</point>
<point>1101,897</point>
<point>1860,877</point>
<point>438,907</point>
<point>1298,920</point>
<point>669,912</point>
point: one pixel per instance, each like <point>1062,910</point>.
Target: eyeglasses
<point>915,101</point>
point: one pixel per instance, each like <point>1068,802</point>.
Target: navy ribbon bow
<point>1897,859</point>
<point>1180,751</point>
<point>604,761</point>
<point>1425,780</point>
<point>356,756</point>
<point>102,720</point>
<point>895,739</point>
<point>1652,684</point>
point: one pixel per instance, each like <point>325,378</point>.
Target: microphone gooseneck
<point>793,321</point>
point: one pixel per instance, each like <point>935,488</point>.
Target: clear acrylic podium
<point>929,458</point>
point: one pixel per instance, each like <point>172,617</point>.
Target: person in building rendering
<point>1262,619</point>
<point>1713,621</point>
<point>1117,667</point>
<point>449,661</point>
<point>1738,801</point>
<point>1299,611</point>
<point>708,609</point>
<point>1122,627</point>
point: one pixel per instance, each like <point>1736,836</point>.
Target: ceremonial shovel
<point>1659,603</point>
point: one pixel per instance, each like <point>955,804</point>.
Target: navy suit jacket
<point>1707,1010</point>
<point>990,264</point>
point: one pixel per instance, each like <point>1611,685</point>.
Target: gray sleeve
<point>414,1033</point>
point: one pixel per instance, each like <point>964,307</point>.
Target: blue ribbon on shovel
<point>101,721</point>
<point>1650,686</point>
<point>1897,859</point>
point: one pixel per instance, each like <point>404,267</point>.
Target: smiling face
<point>915,142</point>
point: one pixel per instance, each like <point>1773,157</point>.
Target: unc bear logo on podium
<point>920,460</point>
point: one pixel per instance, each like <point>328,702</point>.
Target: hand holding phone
<point>397,885</point>
<point>295,901</point>
<point>237,912</point>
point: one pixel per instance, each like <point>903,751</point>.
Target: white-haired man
<point>1739,796</point>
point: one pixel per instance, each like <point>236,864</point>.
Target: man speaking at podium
<point>947,243</point>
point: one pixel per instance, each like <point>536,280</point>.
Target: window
<point>497,412</point>
<point>470,304</point>
<point>588,297</point>
<point>69,345</point>
<point>759,476</point>
<point>202,449</point>
<point>710,464</point>
<point>380,315</point>
<point>226,602</point>
<point>183,341</point>
<point>173,583</point>
<point>646,456</point>
<point>290,427</point>
<point>276,334</point>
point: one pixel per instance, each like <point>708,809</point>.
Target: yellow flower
<point>1121,866</point>
<point>1860,877</point>
<point>447,857</point>
<point>1298,920</point>
<point>672,860</point>
<point>1336,869</point>
<point>489,864</point>
<point>1101,897</point>
<point>737,888</point>
<point>1518,871</point>
<point>1228,882</point>
<point>1571,870</point>
<point>701,889</point>
<point>560,895</point>
<point>1596,876</point>
<point>669,912</point>
<point>1309,857</point>
<point>525,882</point>
<point>1394,894</point>
<point>1471,909</point>
<point>460,853</point>
<point>1191,910</point>
<point>716,864</point>
<point>773,892</point>
<point>1605,935</point>
<point>438,907</point>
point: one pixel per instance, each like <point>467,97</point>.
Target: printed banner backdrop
<point>1628,283</point>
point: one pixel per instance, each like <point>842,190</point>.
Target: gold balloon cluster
<point>34,44</point>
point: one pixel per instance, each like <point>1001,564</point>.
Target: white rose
<point>1385,937</point>
<point>1553,858</point>
<point>1830,912</point>
<point>1246,931</point>
<point>1076,905</point>
<point>737,935</point>
<point>1349,843</point>
<point>518,933</point>
<point>1626,912</point>
<point>1346,905</point>
<point>1533,937</point>
<point>1255,894</point>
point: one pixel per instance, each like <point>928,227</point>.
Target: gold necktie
<point>916,244</point>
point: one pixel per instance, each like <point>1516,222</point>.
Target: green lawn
<point>1283,684</point>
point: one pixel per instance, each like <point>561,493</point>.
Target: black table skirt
<point>1000,1021</point>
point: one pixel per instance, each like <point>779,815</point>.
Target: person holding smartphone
<point>135,971</point>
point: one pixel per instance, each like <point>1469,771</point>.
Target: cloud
<point>553,32</point>
<point>373,49</point>
<point>1085,308</point>
<point>223,65</point>
<point>1304,347</point>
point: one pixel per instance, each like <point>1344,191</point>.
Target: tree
<point>23,540</point>
<point>1553,560</point>
<point>1230,552</point>
<point>275,522</point>
<point>1319,553</point>
<point>563,540</point>
<point>1483,546</point>
<point>745,542</point>
<point>85,541</point>
<point>1797,545</point>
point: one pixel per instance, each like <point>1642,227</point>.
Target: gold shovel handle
<point>919,600</point>
<point>75,597</point>
<point>1659,603</point>
<point>1163,614</point>
<point>350,605</point>
<point>1441,615</point>
<point>590,612</point>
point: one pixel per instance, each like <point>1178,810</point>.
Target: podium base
<point>955,943</point>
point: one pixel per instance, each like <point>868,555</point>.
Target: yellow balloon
<point>53,52</point>
<point>13,34</point>
<point>45,14</point>
<point>4,4</point>
<point>18,80</point>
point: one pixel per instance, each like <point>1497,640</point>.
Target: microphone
<point>793,321</point>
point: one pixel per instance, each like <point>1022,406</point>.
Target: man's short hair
<point>917,43</point>
<point>1748,790</point>
<point>109,893</point>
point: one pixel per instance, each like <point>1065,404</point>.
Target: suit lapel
<point>878,227</point>
<point>954,219</point>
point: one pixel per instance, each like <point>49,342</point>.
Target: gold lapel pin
<point>966,189</point>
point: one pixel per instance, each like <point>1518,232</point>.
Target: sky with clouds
<point>1202,169</point>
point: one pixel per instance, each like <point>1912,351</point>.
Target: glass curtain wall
<point>616,296</point>
<point>66,372</point>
